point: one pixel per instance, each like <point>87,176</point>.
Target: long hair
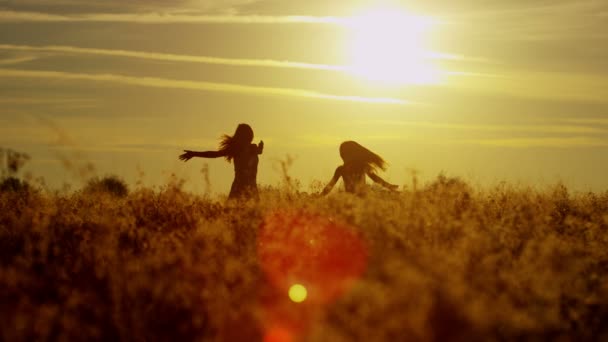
<point>243,136</point>
<point>354,154</point>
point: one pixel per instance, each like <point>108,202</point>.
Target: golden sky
<point>486,90</point>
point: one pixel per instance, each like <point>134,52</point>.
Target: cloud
<point>113,148</point>
<point>563,129</point>
<point>17,60</point>
<point>320,140</point>
<point>533,20</point>
<point>15,105</point>
<point>551,142</point>
<point>194,85</point>
<point>243,62</point>
<point>115,6</point>
<point>562,86</point>
<point>586,121</point>
<point>47,101</point>
<point>164,18</point>
<point>171,57</point>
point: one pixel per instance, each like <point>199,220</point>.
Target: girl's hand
<point>186,156</point>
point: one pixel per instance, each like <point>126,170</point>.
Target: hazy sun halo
<point>387,45</point>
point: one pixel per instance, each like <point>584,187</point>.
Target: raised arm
<point>382,182</point>
<point>187,155</point>
<point>260,147</point>
<point>333,181</point>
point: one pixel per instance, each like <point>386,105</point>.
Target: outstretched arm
<point>382,182</point>
<point>187,155</point>
<point>333,181</point>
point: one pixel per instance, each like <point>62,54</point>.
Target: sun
<point>387,45</point>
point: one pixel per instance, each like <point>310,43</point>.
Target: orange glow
<point>278,334</point>
<point>310,249</point>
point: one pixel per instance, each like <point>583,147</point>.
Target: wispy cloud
<point>334,140</point>
<point>501,8</point>
<point>194,85</point>
<point>113,148</point>
<point>562,86</point>
<point>585,121</point>
<point>174,57</point>
<point>544,128</point>
<point>46,101</point>
<point>534,20</point>
<point>165,18</point>
<point>17,60</point>
<point>552,142</point>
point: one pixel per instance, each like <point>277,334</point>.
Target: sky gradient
<point>126,85</point>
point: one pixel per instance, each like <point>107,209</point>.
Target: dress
<point>354,178</point>
<point>244,185</point>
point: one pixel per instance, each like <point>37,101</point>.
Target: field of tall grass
<point>443,262</point>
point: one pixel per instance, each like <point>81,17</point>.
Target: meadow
<point>444,261</point>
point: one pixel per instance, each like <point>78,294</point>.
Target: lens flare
<point>278,334</point>
<point>297,293</point>
<point>312,249</point>
<point>307,258</point>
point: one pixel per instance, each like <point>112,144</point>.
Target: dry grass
<point>446,262</point>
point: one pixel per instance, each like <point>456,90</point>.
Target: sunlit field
<point>444,261</point>
<point>196,170</point>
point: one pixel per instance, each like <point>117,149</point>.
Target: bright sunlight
<point>388,46</point>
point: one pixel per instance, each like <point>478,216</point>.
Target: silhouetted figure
<point>245,155</point>
<point>358,162</point>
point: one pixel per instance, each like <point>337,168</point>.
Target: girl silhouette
<point>358,162</point>
<point>245,155</point>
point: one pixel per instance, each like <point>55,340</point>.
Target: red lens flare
<point>278,334</point>
<point>309,260</point>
